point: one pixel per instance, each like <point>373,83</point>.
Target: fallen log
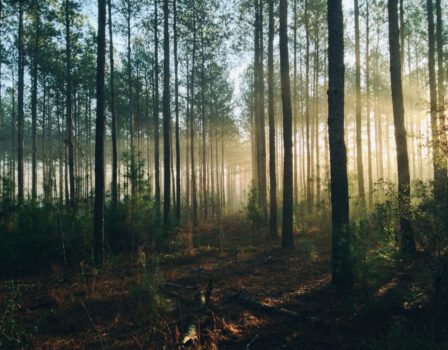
<point>250,301</point>
<point>175,285</point>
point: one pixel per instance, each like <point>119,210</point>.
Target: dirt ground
<point>230,293</point>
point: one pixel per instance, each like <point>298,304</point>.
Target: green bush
<point>254,211</point>
<point>147,293</point>
<point>13,334</point>
<point>34,236</point>
<point>374,244</point>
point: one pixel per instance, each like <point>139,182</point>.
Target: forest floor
<point>257,296</point>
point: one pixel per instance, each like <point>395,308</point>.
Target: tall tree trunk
<point>133,166</point>
<point>341,267</point>
<point>13,136</point>
<point>259,107</point>
<point>192,126</point>
<point>439,176</point>
<point>402,34</point>
<point>287,231</point>
<point>156,112</point>
<point>295,109</point>
<point>68,96</point>
<point>262,139</point>
<point>404,191</point>
<point>255,118</point>
<point>176,102</point>
<point>316,113</point>
<point>378,118</point>
<point>441,101</point>
<point>369,138</point>
<point>34,105</point>
<point>20,113</point>
<point>272,172</point>
<point>359,164</point>
<point>114,184</point>
<point>4,153</point>
<point>309,191</point>
<point>98,246</point>
<point>187,137</point>
<point>166,117</point>
<point>203,122</point>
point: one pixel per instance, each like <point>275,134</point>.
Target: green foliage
<point>13,334</point>
<point>135,171</point>
<point>430,221</point>
<point>147,294</point>
<point>307,248</point>
<point>35,236</point>
<point>374,247</point>
<point>254,211</point>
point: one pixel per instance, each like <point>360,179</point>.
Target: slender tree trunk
<point>34,106</point>
<point>259,107</point>
<point>295,109</point>
<point>378,117</point>
<point>156,112</point>
<point>133,168</point>
<point>401,5</point>
<point>98,246</point>
<point>309,193</point>
<point>369,138</point>
<point>187,139</point>
<point>4,153</point>
<point>203,122</point>
<point>256,108</point>
<point>341,267</point>
<point>287,231</point>
<point>166,117</point>
<point>69,121</point>
<point>359,163</point>
<point>404,191</point>
<point>20,114</point>
<point>438,172</point>
<point>441,102</point>
<point>13,136</point>
<point>192,126</point>
<point>272,172</point>
<point>114,184</point>
<point>176,102</point>
<point>261,125</point>
<point>316,112</point>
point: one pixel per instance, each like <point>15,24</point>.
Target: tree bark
<point>192,134</point>
<point>404,191</point>
<point>309,191</point>
<point>259,107</point>
<point>20,113</point>
<point>133,166</point>
<point>369,138</point>
<point>359,163</point>
<point>156,113</point>
<point>441,102</point>
<point>438,171</point>
<point>166,118</point>
<point>341,266</point>
<point>272,172</point>
<point>287,231</point>
<point>69,121</point>
<point>34,105</point>
<point>176,102</point>
<point>99,137</point>
<point>114,184</point>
